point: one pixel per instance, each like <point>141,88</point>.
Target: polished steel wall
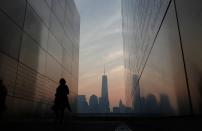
<point>39,45</point>
<point>162,50</point>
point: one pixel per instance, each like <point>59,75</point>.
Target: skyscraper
<point>93,104</point>
<point>82,104</point>
<point>104,95</point>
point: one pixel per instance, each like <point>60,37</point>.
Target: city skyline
<point>95,106</point>
<point>101,44</point>
<point>99,65</point>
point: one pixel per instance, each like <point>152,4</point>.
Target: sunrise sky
<point>101,44</point>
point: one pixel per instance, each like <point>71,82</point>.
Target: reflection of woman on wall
<point>3,94</point>
<point>61,100</point>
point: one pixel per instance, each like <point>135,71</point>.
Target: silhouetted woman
<point>3,94</point>
<point>61,100</point>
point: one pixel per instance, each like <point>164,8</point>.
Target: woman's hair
<point>62,81</point>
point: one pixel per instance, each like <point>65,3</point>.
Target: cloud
<point>114,56</point>
<point>119,68</point>
<point>108,27</point>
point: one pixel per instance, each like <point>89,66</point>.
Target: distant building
<point>82,104</point>
<point>104,100</point>
<point>122,108</point>
<point>116,110</point>
<point>94,106</point>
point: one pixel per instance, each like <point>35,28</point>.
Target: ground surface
<point>107,124</point>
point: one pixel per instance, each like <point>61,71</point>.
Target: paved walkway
<point>108,124</point>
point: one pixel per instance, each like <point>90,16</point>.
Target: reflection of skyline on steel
<point>157,48</point>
